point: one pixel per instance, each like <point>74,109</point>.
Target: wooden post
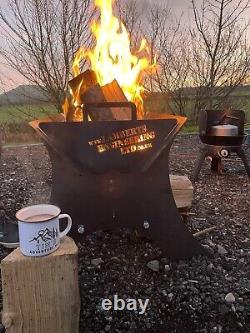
<point>41,294</point>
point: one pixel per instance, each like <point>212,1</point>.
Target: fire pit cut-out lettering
<point>128,141</point>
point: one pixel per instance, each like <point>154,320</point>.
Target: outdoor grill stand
<point>218,147</point>
<point>113,174</point>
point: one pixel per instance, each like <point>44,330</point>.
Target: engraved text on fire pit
<point>128,141</point>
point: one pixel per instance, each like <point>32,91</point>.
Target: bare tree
<point>220,52</point>
<point>131,14</point>
<point>42,37</point>
<point>170,47</point>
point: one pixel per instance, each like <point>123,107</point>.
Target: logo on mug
<point>45,240</point>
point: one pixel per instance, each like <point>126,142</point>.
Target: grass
<point>24,113</point>
<point>14,127</point>
<point>14,122</point>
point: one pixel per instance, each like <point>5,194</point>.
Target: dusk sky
<point>178,6</point>
<point>11,79</point>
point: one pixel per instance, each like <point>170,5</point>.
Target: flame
<point>111,58</point>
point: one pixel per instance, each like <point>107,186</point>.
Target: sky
<point>10,79</point>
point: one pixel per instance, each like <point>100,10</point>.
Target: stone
<point>164,293</point>
<point>96,262</point>
<point>170,296</point>
<point>208,248</point>
<point>229,298</point>
<point>210,267</point>
<point>221,250</point>
<point>167,268</point>
<point>154,265</point>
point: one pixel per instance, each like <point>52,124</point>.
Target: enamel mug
<point>38,228</point>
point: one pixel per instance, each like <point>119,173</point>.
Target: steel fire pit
<point>112,174</point>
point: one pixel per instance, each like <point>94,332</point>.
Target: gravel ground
<point>199,295</point>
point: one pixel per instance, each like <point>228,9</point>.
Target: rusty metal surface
<point>109,189</point>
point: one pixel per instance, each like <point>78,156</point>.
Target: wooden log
<point>95,95</point>
<point>111,92</point>
<point>217,165</point>
<point>83,82</point>
<point>183,190</point>
<point>41,294</point>
<point>79,85</point>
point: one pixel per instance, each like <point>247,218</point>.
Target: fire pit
<point>222,134</point>
<point>112,174</point>
<point>112,171</point>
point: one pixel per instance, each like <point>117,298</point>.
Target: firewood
<point>95,95</point>
<point>84,80</point>
<point>217,165</point>
<point>79,85</point>
<point>111,92</point>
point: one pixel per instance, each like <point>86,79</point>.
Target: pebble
<point>154,265</point>
<point>164,293</point>
<point>210,267</point>
<point>167,268</point>
<point>170,296</point>
<point>96,262</point>
<point>221,250</point>
<point>229,298</point>
<point>107,328</point>
<point>133,278</point>
<point>208,248</point>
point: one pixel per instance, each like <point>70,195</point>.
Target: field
<point>14,127</point>
<point>14,119</point>
<point>24,113</point>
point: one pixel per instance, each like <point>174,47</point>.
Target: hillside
<point>24,94</point>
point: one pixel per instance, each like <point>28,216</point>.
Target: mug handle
<point>69,225</point>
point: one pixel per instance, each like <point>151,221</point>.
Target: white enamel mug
<point>38,227</point>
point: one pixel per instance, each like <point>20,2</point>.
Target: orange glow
<point>111,58</point>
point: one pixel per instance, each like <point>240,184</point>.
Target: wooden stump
<point>41,295</point>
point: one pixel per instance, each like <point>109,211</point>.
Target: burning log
<point>86,90</point>
<point>111,92</point>
<point>78,86</point>
<point>84,80</point>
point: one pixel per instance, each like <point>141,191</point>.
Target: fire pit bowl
<point>109,174</point>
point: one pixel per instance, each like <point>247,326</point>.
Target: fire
<point>112,58</point>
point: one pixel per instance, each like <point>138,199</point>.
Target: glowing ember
<point>112,59</point>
